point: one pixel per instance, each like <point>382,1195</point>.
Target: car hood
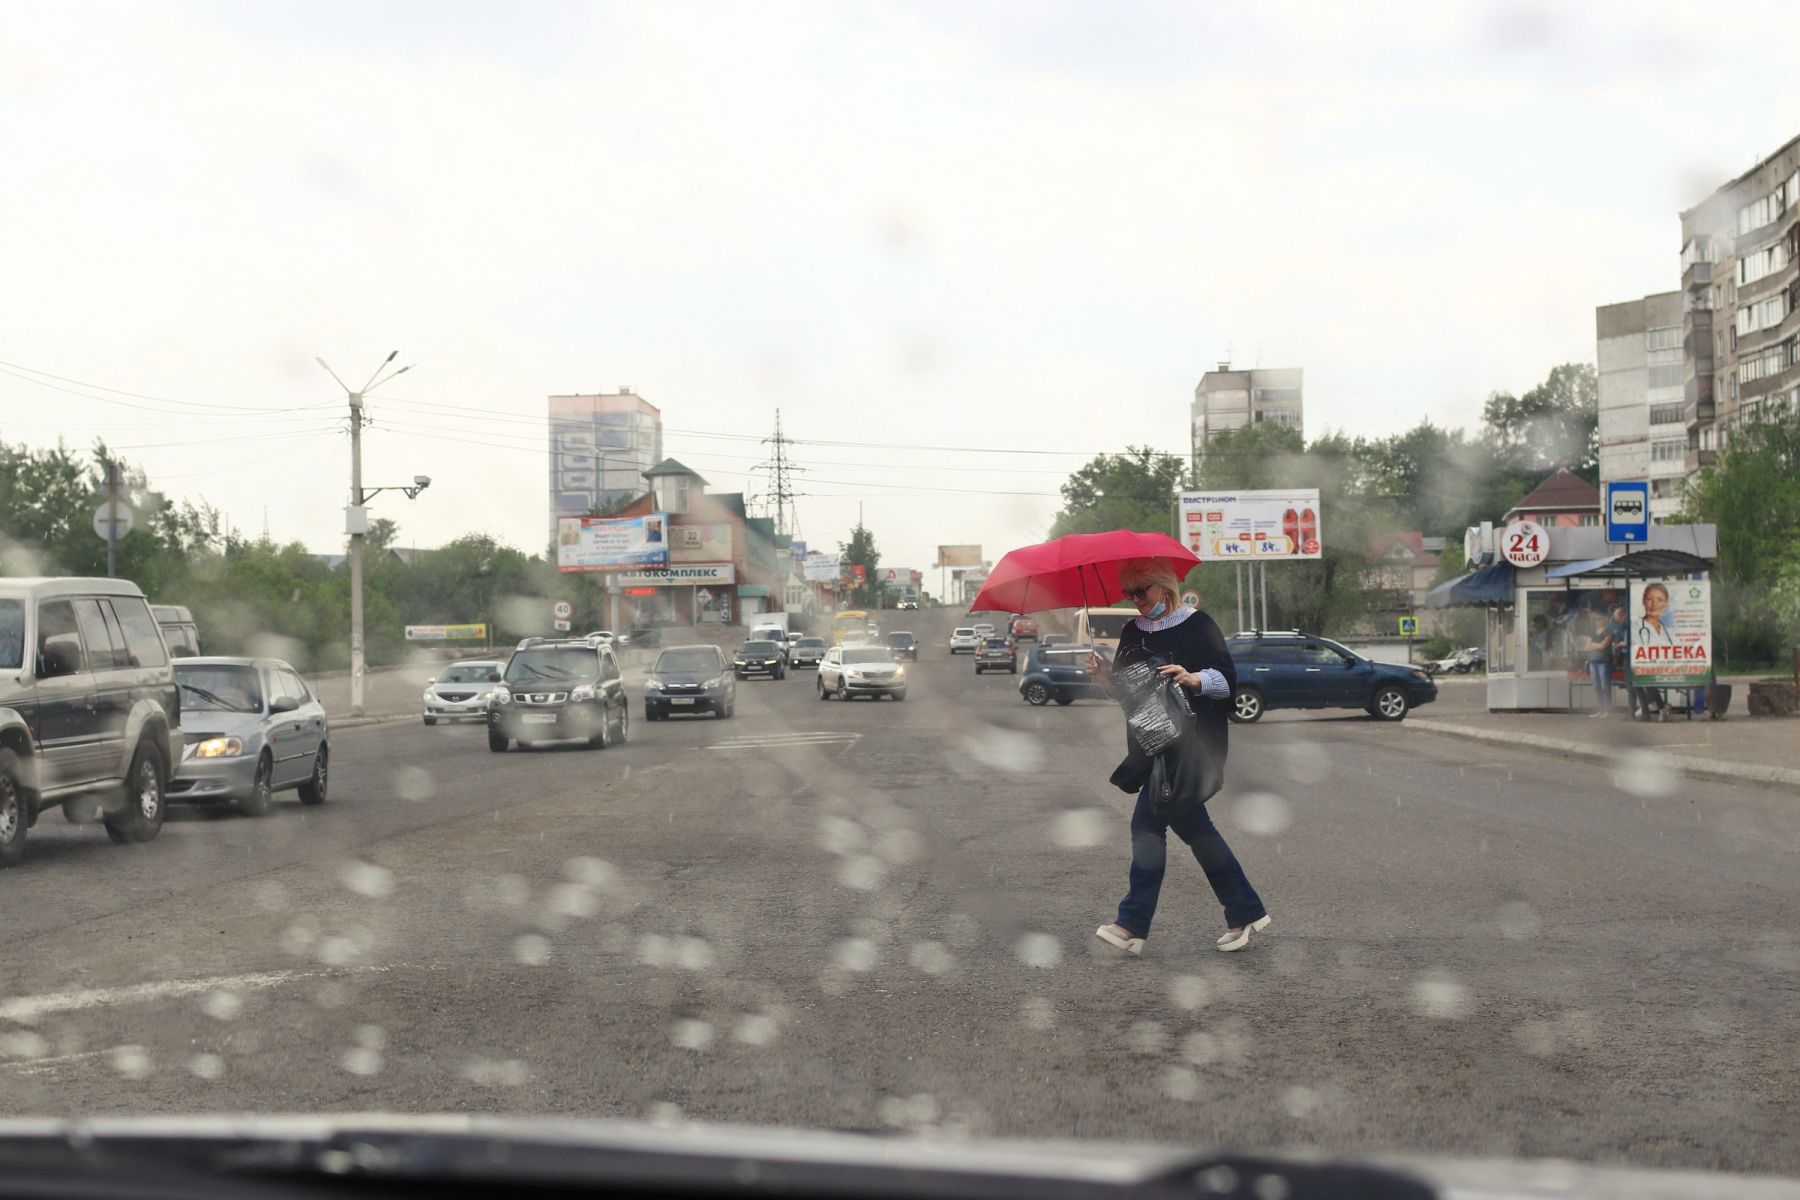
<point>444,1148</point>
<point>683,676</point>
<point>197,725</point>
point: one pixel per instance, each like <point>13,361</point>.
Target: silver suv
<point>89,714</point>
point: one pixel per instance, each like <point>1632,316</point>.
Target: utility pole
<point>356,522</point>
<point>112,519</point>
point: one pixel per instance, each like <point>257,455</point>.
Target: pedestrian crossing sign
<point>1409,627</point>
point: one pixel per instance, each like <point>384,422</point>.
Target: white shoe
<point>1115,935</point>
<point>1239,938</point>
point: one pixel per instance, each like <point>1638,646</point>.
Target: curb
<point>365,722</point>
<point>1704,767</point>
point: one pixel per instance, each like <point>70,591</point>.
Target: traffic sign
<point>562,611</point>
<point>1627,511</point>
<point>562,626</point>
<point>122,525</point>
<point>1191,599</point>
<point>1409,627</point>
<point>1525,544</point>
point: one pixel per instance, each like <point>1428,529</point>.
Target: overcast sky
<point>1018,226</point>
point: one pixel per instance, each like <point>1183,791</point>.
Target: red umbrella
<point>1073,571</point>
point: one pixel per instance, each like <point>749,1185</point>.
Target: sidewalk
<point>1742,749</point>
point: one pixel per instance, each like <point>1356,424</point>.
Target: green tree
<point>861,551</point>
<point>1555,422</point>
<point>1133,490</point>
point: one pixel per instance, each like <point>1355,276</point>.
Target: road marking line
<point>29,1008</point>
<point>777,741</point>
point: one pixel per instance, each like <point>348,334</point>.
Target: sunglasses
<point>1139,593</point>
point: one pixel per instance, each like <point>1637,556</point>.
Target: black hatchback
<point>904,646</point>
<point>1293,670</point>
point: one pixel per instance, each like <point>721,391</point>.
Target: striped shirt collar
<point>1168,621</point>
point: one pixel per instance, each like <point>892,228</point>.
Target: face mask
<point>1157,612</point>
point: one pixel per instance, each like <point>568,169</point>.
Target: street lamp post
<point>356,519</point>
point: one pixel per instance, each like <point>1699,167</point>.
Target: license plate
<point>688,700</point>
<point>539,718</point>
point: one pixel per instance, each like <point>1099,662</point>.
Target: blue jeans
<point>1601,674</point>
<point>1149,858</point>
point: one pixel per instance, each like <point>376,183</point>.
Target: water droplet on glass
<point>532,949</point>
<point>511,891</point>
<point>864,872</point>
<point>1201,1049</point>
<point>299,936</point>
<point>414,783</point>
<point>665,1114</point>
<point>1300,1102</point>
<point>655,950</point>
<point>591,872</point>
<point>131,1061</point>
<point>372,1037</point>
<point>574,900</point>
<point>1441,996</point>
<point>691,1034</point>
<point>1645,773</point>
<point>332,994</point>
<point>1180,1083</point>
<point>840,835</point>
<point>271,896</point>
<point>855,954</point>
<point>899,846</point>
<point>694,954</point>
<point>24,1044</point>
<point>488,1073</point>
<point>360,1060</point>
<point>1263,813</point>
<point>1188,992</point>
<point>1306,762</point>
<point>222,1005</point>
<point>338,950</point>
<point>1039,950</point>
<point>206,1066</point>
<point>1147,1037</point>
<point>1270,1187</point>
<point>1038,1013</point>
<point>1220,1180</point>
<point>1078,828</point>
<point>931,958</point>
<point>756,1029</point>
<point>1518,921</point>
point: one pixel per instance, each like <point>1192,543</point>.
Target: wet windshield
<point>1443,357</point>
<point>688,660</point>
<point>219,688</point>
<point>546,664</point>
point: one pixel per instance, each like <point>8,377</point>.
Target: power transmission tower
<point>781,481</point>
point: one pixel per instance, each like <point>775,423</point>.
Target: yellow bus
<point>850,621</point>
<point>1101,626</point>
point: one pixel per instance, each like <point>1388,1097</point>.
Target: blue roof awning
<point>1489,585</point>
<point>747,591</point>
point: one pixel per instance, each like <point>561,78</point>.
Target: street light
<point>356,517</point>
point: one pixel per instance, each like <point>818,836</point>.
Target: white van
<point>1101,626</point>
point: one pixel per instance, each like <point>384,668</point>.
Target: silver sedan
<point>253,728</point>
<point>461,692</point>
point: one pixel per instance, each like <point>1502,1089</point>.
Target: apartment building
<point>600,446</point>
<point>1226,399</point>
<point>1643,427</point>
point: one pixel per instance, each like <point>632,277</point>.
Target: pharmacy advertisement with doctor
<point>1670,632</point>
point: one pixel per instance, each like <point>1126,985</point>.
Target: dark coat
<point>1193,768</point>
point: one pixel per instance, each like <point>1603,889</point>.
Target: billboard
<point>446,633</point>
<point>612,543</point>
<point>898,578</point>
<point>1669,633</point>
<point>682,575</point>
<point>1237,526</point>
<point>958,556</point>
<point>821,567</point>
<point>700,543</point>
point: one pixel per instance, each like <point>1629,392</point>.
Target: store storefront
<point>1541,618</point>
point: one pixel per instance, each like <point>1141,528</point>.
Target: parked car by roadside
<point>807,652</point>
<point>690,679</point>
<point>1296,670</point>
<point>1058,673</point>
<point>1461,662</point>
<point>253,728</point>
<point>461,691</point>
<point>559,690</point>
<point>90,717</point>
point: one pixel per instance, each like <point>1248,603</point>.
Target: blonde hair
<point>1156,572</point>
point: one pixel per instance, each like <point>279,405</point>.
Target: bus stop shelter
<point>1539,618</point>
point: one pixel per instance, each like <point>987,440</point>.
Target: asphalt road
<point>879,916</point>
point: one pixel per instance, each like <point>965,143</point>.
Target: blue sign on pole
<point>1627,511</point>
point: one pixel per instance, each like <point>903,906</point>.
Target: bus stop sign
<point>1627,511</point>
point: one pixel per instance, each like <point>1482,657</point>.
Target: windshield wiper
<point>211,698</point>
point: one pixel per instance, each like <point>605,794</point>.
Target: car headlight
<point>219,747</point>
<point>1420,675</point>
<point>653,684</point>
<point>502,694</point>
<point>429,696</point>
<point>899,672</point>
<point>716,683</point>
<point>582,691</point>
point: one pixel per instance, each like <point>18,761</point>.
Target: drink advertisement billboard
<point>1669,633</point>
<point>1238,526</point>
<point>821,567</point>
<point>959,556</point>
<point>612,543</point>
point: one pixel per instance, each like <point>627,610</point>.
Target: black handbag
<point>1161,727</point>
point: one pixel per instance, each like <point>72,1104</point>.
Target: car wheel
<point>1390,703</point>
<point>624,732</point>
<point>262,790</point>
<point>1037,693</point>
<point>146,795</point>
<point>602,738</point>
<point>431,720</point>
<point>13,819</point>
<point>898,695</point>
<point>843,690</point>
<point>496,742</point>
<point>318,785</point>
<point>823,694</point>
<point>1065,700</point>
<point>1246,706</point>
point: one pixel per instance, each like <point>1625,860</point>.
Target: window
<point>1667,337</point>
<point>1666,414</point>
<point>1666,376</point>
<point>1664,450</point>
<point>12,635</point>
<point>1759,264</point>
<point>59,643</point>
<point>143,641</point>
<point>293,685</point>
<point>1277,653</point>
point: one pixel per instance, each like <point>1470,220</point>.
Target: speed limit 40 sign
<point>1525,544</point>
<point>563,610</point>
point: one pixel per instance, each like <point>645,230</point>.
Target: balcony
<point>1696,274</point>
<point>1697,412</point>
<point>1700,458</point>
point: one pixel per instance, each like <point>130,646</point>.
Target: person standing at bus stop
<point>1599,649</point>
